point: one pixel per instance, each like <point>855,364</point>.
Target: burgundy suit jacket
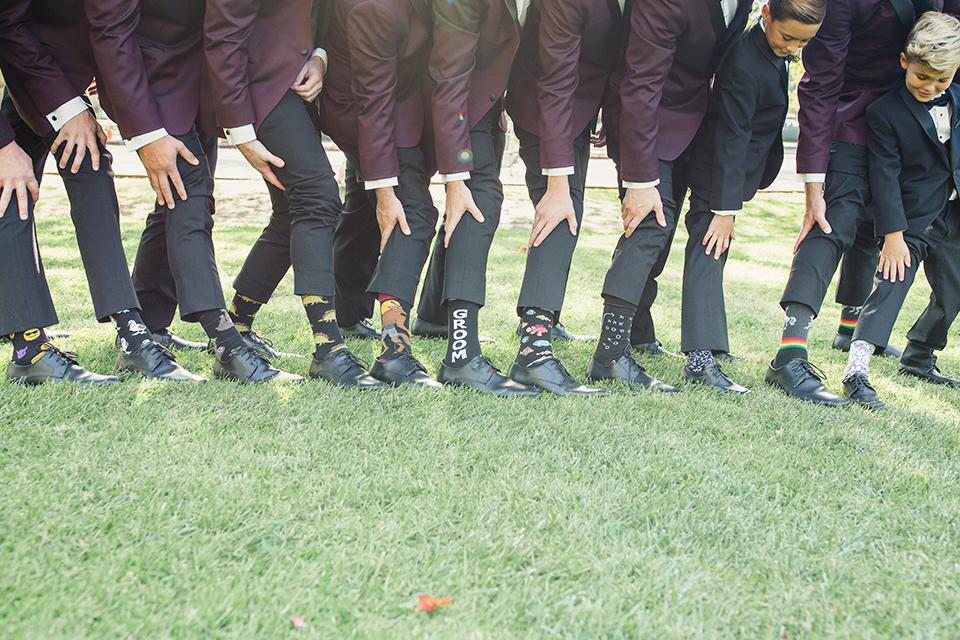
<point>6,133</point>
<point>47,59</point>
<point>853,60</point>
<point>376,92</point>
<point>675,48</point>
<point>149,58</point>
<point>474,43</point>
<point>568,51</point>
<point>254,51</point>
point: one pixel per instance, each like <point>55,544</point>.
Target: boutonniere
<point>793,57</point>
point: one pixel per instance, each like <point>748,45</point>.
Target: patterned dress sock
<point>463,344</point>
<point>28,345</point>
<point>536,328</point>
<point>219,327</point>
<point>614,330</point>
<point>131,330</point>
<point>395,320</point>
<point>848,320</point>
<point>323,322</point>
<point>796,328</point>
<point>859,360</point>
<point>243,311</point>
<point>697,361</point>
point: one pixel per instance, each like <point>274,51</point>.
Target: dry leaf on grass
<point>298,622</point>
<point>427,603</point>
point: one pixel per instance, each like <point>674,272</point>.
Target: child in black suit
<point>738,150</point>
<point>914,177</point>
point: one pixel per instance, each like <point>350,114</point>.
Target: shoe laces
<point>490,364</point>
<point>350,357</point>
<point>859,381</point>
<point>413,365</point>
<point>806,369</point>
<point>252,355</point>
<point>261,342</point>
<point>70,357</point>
<point>161,350</point>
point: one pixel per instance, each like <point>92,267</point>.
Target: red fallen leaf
<point>427,603</point>
<point>298,622</point>
<point>523,247</point>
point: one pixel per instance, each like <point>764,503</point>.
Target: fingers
<point>722,246</point>
<point>803,234</point>
<point>81,152</point>
<point>300,76</point>
<point>404,227</point>
<point>23,202</point>
<point>449,225</point>
<point>34,188</point>
<point>178,185</point>
<point>68,148</point>
<point>710,240</point>
<point>271,177</point>
<point>155,185</point>
<point>572,222</point>
<point>388,226</point>
<point>545,230</point>
<point>186,155</point>
<point>5,200</point>
<point>901,270</point>
<point>658,210</point>
<point>822,221</point>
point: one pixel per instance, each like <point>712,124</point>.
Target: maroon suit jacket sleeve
<point>121,73</point>
<point>41,77</point>
<point>6,133</point>
<point>373,32</point>
<point>653,42</point>
<point>560,23</point>
<point>226,24</point>
<point>824,61</point>
<point>456,32</point>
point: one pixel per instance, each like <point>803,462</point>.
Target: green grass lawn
<point>153,510</point>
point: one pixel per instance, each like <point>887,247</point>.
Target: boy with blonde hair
<point>914,178</point>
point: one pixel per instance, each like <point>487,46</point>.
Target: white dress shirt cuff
<point>558,171</point>
<point>240,135</point>
<point>453,177</point>
<point>370,185</point>
<point>320,53</point>
<point>726,213</point>
<point>134,143</point>
<point>62,114</point>
<point>641,185</point>
<point>812,177</point>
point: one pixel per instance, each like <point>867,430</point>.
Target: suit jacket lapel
<point>954,131</point>
<point>614,7</point>
<point>716,19</point>
<point>760,39</point>
<point>923,117</point>
<point>512,8</point>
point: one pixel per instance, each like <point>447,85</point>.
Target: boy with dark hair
<point>739,150</point>
<point>914,177</point>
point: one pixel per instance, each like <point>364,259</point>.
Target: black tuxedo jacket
<point>912,173</point>
<point>739,148</point>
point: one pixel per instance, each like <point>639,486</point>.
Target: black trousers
<point>398,271</point>
<point>703,315</point>
<point>96,219</point>
<point>304,215</point>
<point>177,245</point>
<point>459,272</point>
<point>356,251</point>
<point>548,266</point>
<point>671,194</point>
<point>847,194</point>
<point>938,247</point>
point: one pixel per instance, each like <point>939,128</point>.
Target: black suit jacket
<point>739,148</point>
<point>912,173</point>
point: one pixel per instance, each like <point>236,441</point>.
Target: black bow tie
<point>940,101</point>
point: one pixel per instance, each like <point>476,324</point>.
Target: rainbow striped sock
<point>848,320</point>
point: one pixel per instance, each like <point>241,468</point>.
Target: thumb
<point>572,221</point>
<point>186,153</point>
<point>475,212</point>
<point>274,160</point>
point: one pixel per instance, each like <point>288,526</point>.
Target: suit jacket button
<point>303,52</point>
<point>493,98</point>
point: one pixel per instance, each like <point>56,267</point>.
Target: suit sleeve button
<point>304,52</point>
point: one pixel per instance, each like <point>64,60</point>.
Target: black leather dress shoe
<point>166,339</point>
<point>551,376</point>
<point>248,366</point>
<point>344,369</point>
<point>803,380</point>
<point>154,361</point>
<point>424,329</point>
<point>403,371</point>
<point>841,342</point>
<point>482,375</point>
<point>857,388</point>
<point>362,329</point>
<point>260,344</point>
<point>723,356</point>
<point>652,349</point>
<point>929,374</point>
<point>713,376</point>
<point>629,371</point>
<point>55,366</point>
